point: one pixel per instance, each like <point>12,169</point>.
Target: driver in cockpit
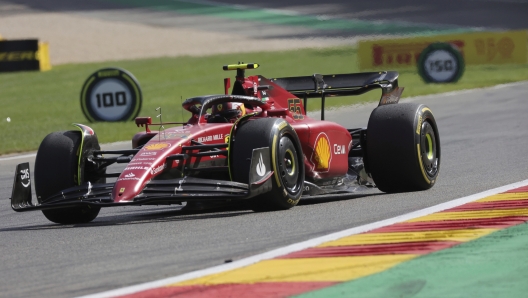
<point>226,112</point>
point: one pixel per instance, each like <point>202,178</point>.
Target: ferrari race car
<point>254,143</point>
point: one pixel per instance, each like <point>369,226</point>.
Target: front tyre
<point>56,168</point>
<point>403,147</point>
<point>286,160</point>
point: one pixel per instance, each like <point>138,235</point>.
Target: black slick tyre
<point>403,147</point>
<point>286,160</point>
<point>56,168</point>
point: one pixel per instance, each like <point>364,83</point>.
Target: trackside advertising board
<point>476,48</point>
<point>27,54</point>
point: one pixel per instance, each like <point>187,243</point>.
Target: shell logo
<point>157,146</point>
<point>322,155</point>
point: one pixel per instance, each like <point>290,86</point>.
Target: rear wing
<point>322,86</point>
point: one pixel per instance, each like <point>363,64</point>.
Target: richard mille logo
<point>261,168</point>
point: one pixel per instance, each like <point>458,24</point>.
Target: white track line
<point>465,91</point>
<point>35,154</point>
<point>305,244</point>
<point>18,157</point>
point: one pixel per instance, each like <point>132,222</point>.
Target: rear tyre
<point>56,168</point>
<point>286,160</point>
<point>403,147</point>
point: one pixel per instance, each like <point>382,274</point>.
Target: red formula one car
<point>253,143</point>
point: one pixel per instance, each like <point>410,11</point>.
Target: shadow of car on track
<point>137,218</point>
<point>128,216</point>
<point>309,200</point>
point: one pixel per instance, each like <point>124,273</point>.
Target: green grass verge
<point>490,266</point>
<point>41,102</point>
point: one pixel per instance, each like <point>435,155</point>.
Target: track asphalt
<point>483,147</point>
<point>326,24</point>
<point>483,140</point>
<point>108,30</point>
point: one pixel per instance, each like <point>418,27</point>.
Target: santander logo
<point>156,170</point>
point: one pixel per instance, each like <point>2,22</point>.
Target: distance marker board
<point>440,63</point>
<point>111,94</point>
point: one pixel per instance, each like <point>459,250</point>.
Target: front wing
<point>173,191</point>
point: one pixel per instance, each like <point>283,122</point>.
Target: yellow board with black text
<point>477,48</point>
<point>22,55</point>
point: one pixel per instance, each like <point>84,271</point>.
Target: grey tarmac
<point>483,134</point>
<point>484,145</point>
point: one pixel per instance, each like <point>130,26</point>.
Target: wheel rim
<point>429,154</point>
<point>288,165</point>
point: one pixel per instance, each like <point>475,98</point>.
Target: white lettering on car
<point>211,138</point>
<point>339,149</point>
<point>24,175</point>
<point>148,153</point>
<point>156,170</point>
<point>136,168</point>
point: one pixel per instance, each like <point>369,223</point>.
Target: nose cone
<point>127,187</point>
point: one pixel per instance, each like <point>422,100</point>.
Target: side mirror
<point>140,121</point>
